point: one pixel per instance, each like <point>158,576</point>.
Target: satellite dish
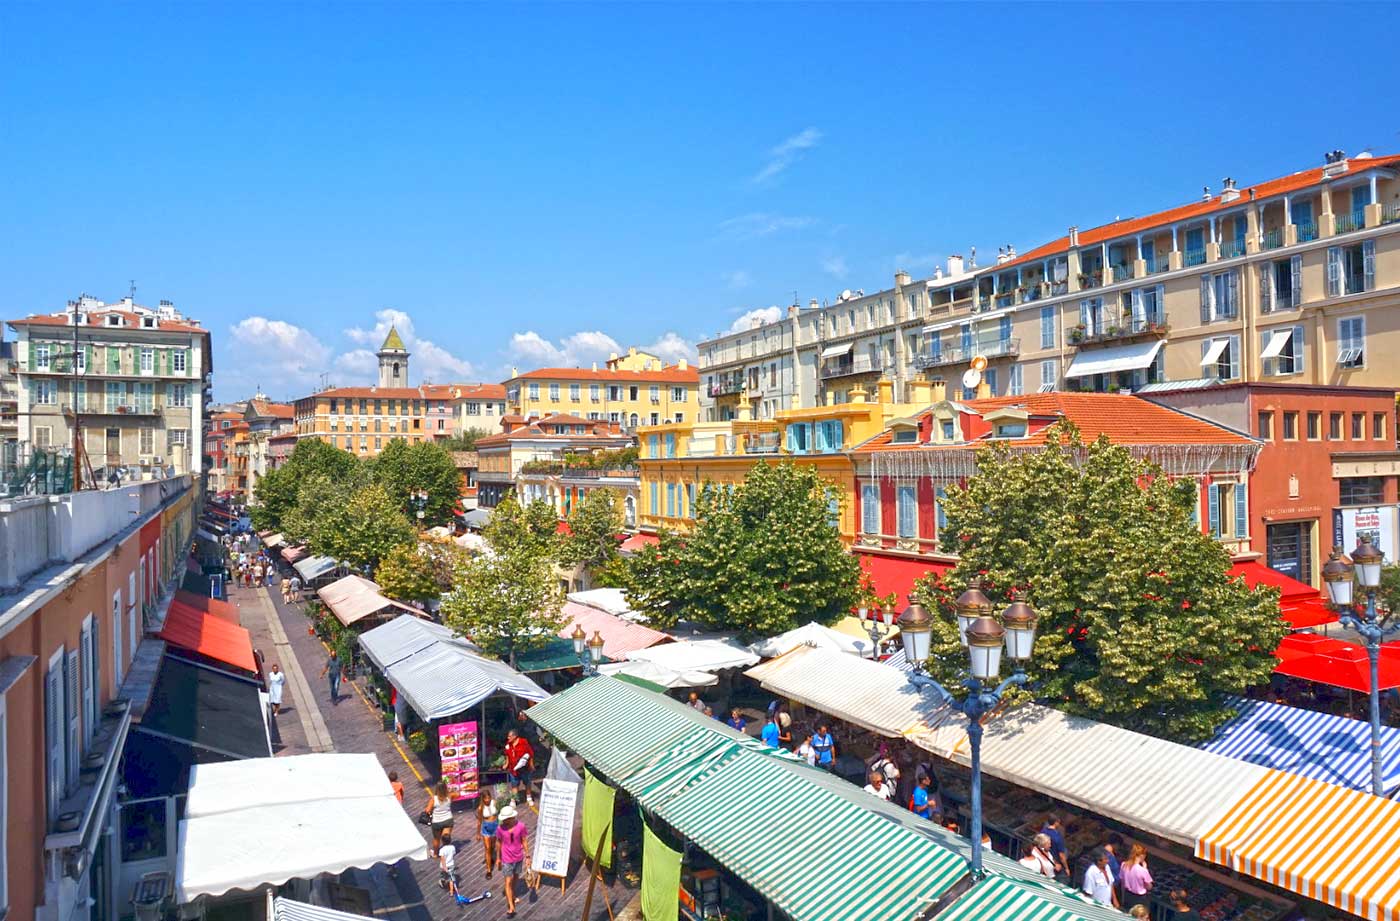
<point>971,378</point>
<point>979,362</point>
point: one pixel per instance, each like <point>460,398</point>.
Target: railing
<point>1390,213</point>
<point>842,368</point>
<point>1346,223</point>
<point>953,356</point>
<point>763,443</point>
<point>1122,272</point>
<point>1194,257</point>
<point>1307,232</point>
<point>1058,288</point>
<point>727,385</point>
<point>1033,292</point>
<point>1152,324</point>
<point>1160,264</point>
<point>1232,249</point>
<point>1091,279</point>
<point>1271,239</point>
<point>1006,299</point>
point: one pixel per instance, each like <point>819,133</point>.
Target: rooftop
<point>671,374</point>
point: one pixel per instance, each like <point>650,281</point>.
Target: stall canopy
<point>998,897</point>
<point>477,518</point>
<point>401,637</point>
<point>1314,838</point>
<point>1256,574</point>
<point>265,821</point>
<point>272,541</point>
<point>444,680</point>
<point>1302,613</point>
<point>1345,667</point>
<point>209,635</point>
<point>711,784</point>
<point>554,654</point>
<point>204,708</point>
<point>810,634</point>
<point>637,542</point>
<point>314,567</point>
<point>220,609</point>
<point>292,554</point>
<point>612,600</point>
<point>619,636</point>
<point>656,675</point>
<point>867,694</point>
<point>897,574</point>
<point>1317,745</point>
<point>696,655</point>
<point>201,534</point>
<point>352,598</point>
<point>289,910</point>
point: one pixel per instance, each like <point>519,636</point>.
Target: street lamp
<point>873,618</point>
<point>593,647</point>
<point>419,497</point>
<point>984,636</point>
<point>1365,570</point>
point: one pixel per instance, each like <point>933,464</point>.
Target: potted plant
<point>1076,333</point>
<point>1114,330</point>
<point>418,741</point>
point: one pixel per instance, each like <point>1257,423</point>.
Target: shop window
<point>1290,426</point>
<point>1361,490</point>
<point>1358,426</point>
<point>1378,426</point>
<point>143,831</point>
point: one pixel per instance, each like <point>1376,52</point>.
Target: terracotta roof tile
<point>95,319</point>
<point>670,375</point>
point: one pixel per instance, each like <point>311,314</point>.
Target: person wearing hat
<point>513,838</point>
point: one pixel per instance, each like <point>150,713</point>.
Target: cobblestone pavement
<point>410,891</point>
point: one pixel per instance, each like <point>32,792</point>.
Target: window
<point>1047,327</point>
<point>575,393</point>
<point>1314,426</point>
<point>148,360</point>
<point>990,376</point>
<point>950,432</point>
<point>178,395</point>
<point>870,508</point>
<point>1290,426</point>
<point>44,392</point>
<point>905,435</point>
<point>1091,317</point>
<point>473,409</point>
<point>1351,269</point>
<point>55,735</point>
<point>177,437</point>
<point>907,510</point>
<point>43,436</point>
<point>680,417</point>
<point>829,436</point>
<point>1049,374</point>
<point>1334,427</point>
<point>670,500</point>
<point>1220,296</point>
<point>1351,342</point>
<point>678,393</point>
<point>1266,426</point>
<point>1361,490</point>
<point>632,392</point>
<point>118,661</point>
<point>655,393</point>
<point>1283,351</point>
<point>1014,385</point>
<point>615,418</point>
<point>1220,357</point>
<point>1227,510</point>
<point>655,419</point>
<point>147,441</point>
<point>1011,430</point>
<point>1378,426</point>
<point>178,361</point>
<point>554,392</point>
<point>670,444</point>
<point>1358,426</point>
<point>614,393</point>
<point>533,390</point>
<point>798,437</point>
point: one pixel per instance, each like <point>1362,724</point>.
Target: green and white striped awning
<point>997,898</point>
<point>801,840</point>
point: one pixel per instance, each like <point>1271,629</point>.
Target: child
<point>396,786</point>
<point>447,869</point>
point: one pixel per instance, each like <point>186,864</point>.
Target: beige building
<point>631,390</point>
<point>1292,280</point>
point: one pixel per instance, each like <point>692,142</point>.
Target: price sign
<point>458,750</point>
<point>554,831</point>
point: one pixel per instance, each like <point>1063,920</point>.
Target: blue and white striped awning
<point>445,680</point>
<point>1316,745</point>
<point>391,643</point>
<point>289,910</point>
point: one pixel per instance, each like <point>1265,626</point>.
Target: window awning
<point>1132,357</point>
<point>833,351</point>
<point>1214,351</point>
<point>969,320</point>
<point>1278,338</point>
<point>207,709</point>
<point>220,609</point>
<point>190,628</point>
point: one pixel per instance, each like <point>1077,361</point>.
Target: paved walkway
<point>310,721</point>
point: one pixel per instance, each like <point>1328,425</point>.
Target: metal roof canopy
<point>443,681</point>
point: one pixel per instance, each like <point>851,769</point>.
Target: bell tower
<point>393,361</point>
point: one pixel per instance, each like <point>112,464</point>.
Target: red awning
<point>896,573</point>
<point>1298,645</point>
<point>292,554</point>
<point>637,542</point>
<point>1256,573</point>
<point>220,609</point>
<point>1307,612</point>
<point>1346,668</point>
<point>209,635</point>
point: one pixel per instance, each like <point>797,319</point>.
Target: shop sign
<point>457,750</point>
<point>1376,522</point>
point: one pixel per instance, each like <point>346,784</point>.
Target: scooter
<point>463,900</point>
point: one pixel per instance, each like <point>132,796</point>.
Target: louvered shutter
<point>1207,296</point>
<point>1295,269</point>
<point>1232,286</point>
<point>89,681</point>
<point>72,708</point>
<point>1235,355</point>
<point>1300,363</point>
<point>1266,287</point>
<point>1213,509</point>
<point>1334,271</point>
<point>1241,510</point>
<point>53,734</point>
<point>1139,317</point>
<point>1368,258</point>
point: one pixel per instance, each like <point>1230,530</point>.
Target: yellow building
<point>631,390</point>
<point>678,458</point>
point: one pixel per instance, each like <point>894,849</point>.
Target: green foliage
<point>317,498</point>
<point>276,493</point>
<point>530,529</point>
<point>593,526</point>
<point>465,441</point>
<point>1140,622</point>
<point>405,469</point>
<point>763,557</point>
<point>363,529</point>
<point>620,459</point>
<point>508,601</point>
<point>415,573</point>
<point>1388,595</point>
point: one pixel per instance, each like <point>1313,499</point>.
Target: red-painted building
<point>1326,473</point>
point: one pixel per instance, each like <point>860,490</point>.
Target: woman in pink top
<point>512,836</point>
<point>1137,880</point>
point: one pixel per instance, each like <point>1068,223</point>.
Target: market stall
<point>810,634</point>
<point>355,600</point>
<point>658,676</point>
<point>696,655</point>
<point>316,570</point>
<point>619,636</point>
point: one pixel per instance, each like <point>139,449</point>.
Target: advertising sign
<point>1377,521</point>
<point>459,750</point>
<point>554,832</point>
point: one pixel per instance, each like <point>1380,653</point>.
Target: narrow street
<point>309,722</point>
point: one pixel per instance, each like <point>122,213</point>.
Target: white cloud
<point>672,347</point>
<point>358,365</point>
<point>427,360</point>
<point>761,224</point>
<point>786,154</point>
<point>835,266</point>
<point>274,355</point>
<point>737,278</point>
<point>531,350</point>
<point>746,320</point>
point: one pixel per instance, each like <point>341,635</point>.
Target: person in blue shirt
<point>825,746</point>
<point>1052,830</point>
<point>921,803</point>
<point>736,721</point>
<point>770,733</point>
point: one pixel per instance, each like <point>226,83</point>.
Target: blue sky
<point>532,184</point>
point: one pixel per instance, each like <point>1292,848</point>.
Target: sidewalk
<point>354,725</point>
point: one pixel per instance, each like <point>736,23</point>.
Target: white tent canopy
<point>289,910</point>
<point>697,655</point>
<point>810,634</point>
<point>263,821</point>
<point>656,674</point>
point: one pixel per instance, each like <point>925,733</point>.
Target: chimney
<point>901,278</point>
<point>792,310</point>
<point>813,305</point>
<point>984,391</point>
<point>920,391</point>
<point>1001,255</point>
<point>514,371</point>
<point>955,266</point>
<point>884,389</point>
<point>1205,193</point>
<point>1253,193</point>
<point>595,366</point>
<point>631,351</point>
<point>938,392</point>
<point>1010,251</point>
<point>1074,236</point>
<point>1228,192</point>
<point>683,365</point>
<point>612,356</point>
<point>857,395</point>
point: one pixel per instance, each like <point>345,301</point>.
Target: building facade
<point>134,380</point>
<point>632,390</point>
<point>1293,280</point>
<point>477,408</point>
<point>541,444</point>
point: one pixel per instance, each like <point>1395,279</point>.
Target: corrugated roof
<point>352,598</point>
<point>444,680</point>
<point>193,629</point>
<point>392,642</point>
<point>314,567</point>
<point>619,636</point>
<point>998,897</point>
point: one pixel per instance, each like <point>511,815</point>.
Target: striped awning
<point>1314,838</point>
<point>1316,745</point>
<point>289,910</point>
<point>997,897</point>
<point>445,680</point>
<point>403,636</point>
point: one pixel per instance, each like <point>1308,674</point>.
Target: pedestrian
<point>885,765</point>
<point>513,837</point>
<point>1184,911</point>
<point>286,590</point>
<point>520,762</point>
<point>396,786</point>
<point>296,588</point>
<point>921,801</point>
<point>878,787</point>
<point>805,751</point>
<point>1139,911</point>
<point>447,864</point>
<point>333,669</point>
<point>710,713</point>
<point>1136,878</point>
<point>1051,830</point>
<point>770,731</point>
<point>271,574</point>
<point>694,702</point>
<point>1036,857</point>
<point>275,680</point>
<point>736,720</point>
<point>1113,846</point>
<point>487,821</point>
<point>825,746</point>
<point>784,730</point>
<point>1098,881</point>
<point>439,813</point>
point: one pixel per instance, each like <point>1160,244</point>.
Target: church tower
<point>393,361</point>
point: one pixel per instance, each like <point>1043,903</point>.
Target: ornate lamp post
<point>592,647</point>
<point>984,638</point>
<point>873,619</point>
<point>419,498</point>
<point>1364,570</point>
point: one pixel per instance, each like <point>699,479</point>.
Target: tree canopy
<point>275,494</point>
<point>763,557</point>
<point>363,529</point>
<point>531,528</point>
<point>1141,624</point>
<point>405,469</point>
<point>593,527</point>
<point>416,573</point>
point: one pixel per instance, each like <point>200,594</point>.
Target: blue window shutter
<point>1207,290</point>
<point>1084,314</point>
<point>792,439</point>
<point>1233,286</point>
<point>690,495</point>
<point>1241,510</point>
<point>1299,351</point>
<point>837,441</point>
<point>1213,509</point>
<point>940,516</point>
<point>670,500</point>
<point>820,445</point>
<point>1004,329</point>
<point>1241,226</point>
<point>1368,257</point>
<point>655,499</point>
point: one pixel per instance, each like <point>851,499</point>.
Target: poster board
<point>459,752</point>
<point>554,830</point>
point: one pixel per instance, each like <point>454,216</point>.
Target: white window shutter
<point>1235,356</point>
<point>89,684</point>
<point>1334,271</point>
<point>54,735</point>
<point>72,704</point>
<point>1295,267</point>
<point>1368,257</point>
<point>1232,285</point>
<point>1269,364</point>
<point>1266,287</point>
<point>1300,351</point>
<point>1207,297</point>
<point>1139,316</point>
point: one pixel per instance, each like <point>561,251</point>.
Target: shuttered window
<point>72,715</point>
<point>907,508</point>
<point>870,508</point>
<point>54,733</point>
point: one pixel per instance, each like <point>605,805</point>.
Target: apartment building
<point>477,408</point>
<point>265,420</point>
<point>631,390</point>
<point>537,444</point>
<point>134,379</point>
<point>1294,279</point>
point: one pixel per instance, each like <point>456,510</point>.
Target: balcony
<point>1307,231</point>
<point>1122,273</point>
<point>1346,223</point>
<point>1272,239</point>
<point>1000,348</point>
<point>1390,212</point>
<point>1091,279</point>
<point>1193,257</point>
<point>1005,299</point>
<point>727,385</point>
<point>115,409</point>
<point>849,366</point>
<point>1140,327</point>
<point>1232,249</point>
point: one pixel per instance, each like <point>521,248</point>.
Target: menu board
<point>459,751</point>
<point>554,830</point>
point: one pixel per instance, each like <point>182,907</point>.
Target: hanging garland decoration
<point>949,463</point>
